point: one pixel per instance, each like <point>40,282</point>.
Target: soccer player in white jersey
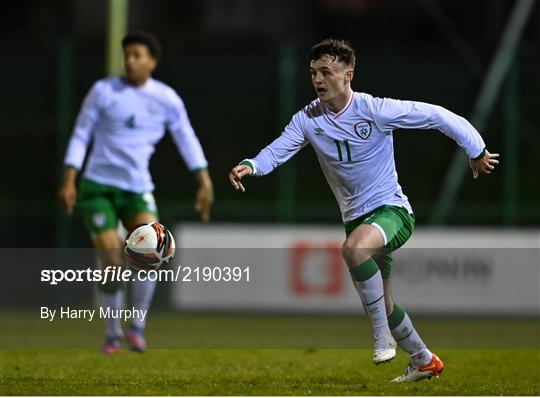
<point>125,117</point>
<point>351,133</point>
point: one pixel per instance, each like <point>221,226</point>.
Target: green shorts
<point>102,206</point>
<point>396,225</point>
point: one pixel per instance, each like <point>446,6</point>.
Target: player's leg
<point>111,294</point>
<point>399,226</point>
<point>403,330</point>
<point>139,209</point>
<point>100,219</point>
<point>424,364</point>
<point>399,322</point>
<point>362,243</point>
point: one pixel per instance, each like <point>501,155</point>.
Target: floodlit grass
<point>262,355</point>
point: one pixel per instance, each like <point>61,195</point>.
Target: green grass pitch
<point>263,355</point>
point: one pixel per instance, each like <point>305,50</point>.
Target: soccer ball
<point>149,246</point>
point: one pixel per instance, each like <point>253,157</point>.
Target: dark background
<point>223,58</point>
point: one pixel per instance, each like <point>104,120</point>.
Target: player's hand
<point>484,165</point>
<point>236,175</point>
<point>67,195</point>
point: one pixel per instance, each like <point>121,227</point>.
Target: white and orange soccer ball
<point>149,246</point>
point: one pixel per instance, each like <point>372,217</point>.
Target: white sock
<point>371,293</point>
<point>141,298</point>
<point>422,358</point>
<point>409,341</point>
<point>115,301</point>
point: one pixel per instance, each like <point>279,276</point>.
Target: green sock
<point>407,337</point>
<point>364,271</point>
<point>111,295</point>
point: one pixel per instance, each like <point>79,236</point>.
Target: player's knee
<point>111,257</point>
<point>354,252</point>
<point>109,248</point>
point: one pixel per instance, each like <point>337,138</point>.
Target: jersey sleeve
<point>184,136</point>
<point>291,140</point>
<point>84,126</point>
<point>392,114</point>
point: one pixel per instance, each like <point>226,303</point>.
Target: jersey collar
<point>146,84</point>
<point>341,112</point>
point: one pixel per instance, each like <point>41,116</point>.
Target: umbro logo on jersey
<point>363,129</point>
<point>319,131</point>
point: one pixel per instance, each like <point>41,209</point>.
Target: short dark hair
<point>340,49</point>
<point>148,39</point>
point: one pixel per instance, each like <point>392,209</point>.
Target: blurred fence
<point>226,60</point>
<point>485,272</point>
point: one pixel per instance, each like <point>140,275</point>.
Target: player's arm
<point>77,148</point>
<point>392,114</point>
<point>67,194</point>
<point>205,194</point>
<point>191,151</point>
<point>278,152</point>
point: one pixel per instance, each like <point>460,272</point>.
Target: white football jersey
<point>126,123</point>
<point>355,146</point>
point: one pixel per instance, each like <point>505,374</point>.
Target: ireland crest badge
<point>363,129</point>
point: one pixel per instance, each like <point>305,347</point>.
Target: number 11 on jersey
<point>347,148</point>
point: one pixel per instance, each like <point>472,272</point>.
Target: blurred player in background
<point>126,117</point>
<point>351,133</point>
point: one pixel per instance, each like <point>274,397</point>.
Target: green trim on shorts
<point>102,206</point>
<point>395,223</point>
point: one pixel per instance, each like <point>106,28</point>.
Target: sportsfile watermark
<point>178,274</point>
<point>51,300</point>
